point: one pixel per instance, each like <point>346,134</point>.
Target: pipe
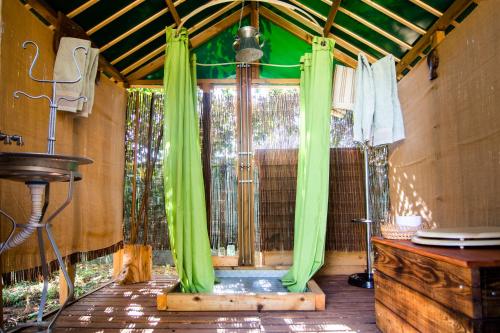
<point>37,202</point>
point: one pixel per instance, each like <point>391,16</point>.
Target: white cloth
<point>343,89</point>
<point>65,70</point>
<point>89,83</point>
<point>378,119</point>
<point>388,124</point>
<point>364,105</point>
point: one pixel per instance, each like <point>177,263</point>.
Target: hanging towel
<point>343,90</point>
<point>89,83</point>
<point>388,124</point>
<point>364,105</point>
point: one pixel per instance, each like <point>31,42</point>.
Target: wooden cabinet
<point>435,289</point>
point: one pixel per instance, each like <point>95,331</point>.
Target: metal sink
<point>33,167</point>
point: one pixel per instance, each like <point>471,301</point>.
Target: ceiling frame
<point>113,17</point>
<point>427,7</point>
<point>82,8</point>
<point>173,11</point>
<point>338,40</point>
<point>196,41</point>
<point>441,24</point>
<point>334,8</point>
<point>394,16</point>
<point>190,31</point>
<point>302,34</point>
<point>139,26</point>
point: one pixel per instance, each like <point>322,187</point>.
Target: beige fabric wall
<point>93,221</point>
<point>448,168</point>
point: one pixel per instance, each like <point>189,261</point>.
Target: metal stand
<point>47,226</point>
<point>365,280</point>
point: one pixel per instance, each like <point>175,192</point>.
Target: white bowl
<point>409,221</point>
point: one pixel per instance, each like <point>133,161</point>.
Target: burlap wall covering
<point>92,224</point>
<point>447,169</point>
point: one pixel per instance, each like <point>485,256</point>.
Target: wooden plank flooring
<point>132,308</point>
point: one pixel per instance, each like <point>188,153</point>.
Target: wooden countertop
<point>468,257</point>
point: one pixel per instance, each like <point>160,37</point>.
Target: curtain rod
<point>251,63</point>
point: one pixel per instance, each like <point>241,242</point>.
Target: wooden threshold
<point>312,300</point>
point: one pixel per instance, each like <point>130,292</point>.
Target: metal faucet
<point>8,139</point>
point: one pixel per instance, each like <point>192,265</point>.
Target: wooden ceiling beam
<point>338,40</point>
<point>334,8</point>
<point>144,59</point>
<point>254,15</point>
<point>173,11</point>
<point>196,41</point>
<point>139,46</point>
<point>133,29</point>
<point>302,34</point>
<point>43,9</point>
<point>441,24</point>
<point>139,26</point>
<point>212,17</point>
<point>113,17</point>
<point>394,16</point>
<point>82,8</point>
<point>427,7</point>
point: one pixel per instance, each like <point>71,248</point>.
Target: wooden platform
<point>115,308</point>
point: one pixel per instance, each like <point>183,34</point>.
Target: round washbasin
<point>33,167</point>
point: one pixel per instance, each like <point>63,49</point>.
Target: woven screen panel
<point>277,190</point>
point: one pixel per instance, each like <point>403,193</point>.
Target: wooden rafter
<point>375,28</point>
<point>394,16</point>
<point>139,26</point>
<point>51,17</point>
<point>441,24</point>
<point>334,8</point>
<point>82,8</point>
<point>144,59</point>
<point>134,29</point>
<point>159,33</point>
<point>340,41</point>
<point>427,7</point>
<point>302,34</point>
<point>173,11</point>
<point>196,41</point>
<point>139,46</point>
<point>113,17</point>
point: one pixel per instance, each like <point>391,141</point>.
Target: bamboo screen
<point>275,120</point>
<point>144,205</point>
<point>223,161</point>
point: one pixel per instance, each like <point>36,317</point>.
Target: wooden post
<point>63,286</point>
<point>206,148</point>
<point>246,227</point>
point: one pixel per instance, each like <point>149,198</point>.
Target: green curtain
<point>311,205</point>
<point>183,178</point>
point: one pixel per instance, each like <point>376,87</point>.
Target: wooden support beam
<point>82,8</point>
<point>427,7</point>
<point>173,11</point>
<point>113,17</point>
<point>394,16</point>
<point>43,9</point>
<point>254,22</point>
<point>441,24</point>
<point>302,34</point>
<point>196,41</point>
<point>137,47</point>
<point>339,40</point>
<point>375,28</point>
<point>134,29</point>
<point>334,8</point>
<point>63,286</point>
<point>212,17</point>
<point>144,59</point>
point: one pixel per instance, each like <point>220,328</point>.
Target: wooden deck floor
<point>133,309</point>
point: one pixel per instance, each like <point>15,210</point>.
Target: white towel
<point>89,83</point>
<point>388,124</point>
<point>364,105</point>
<point>65,70</point>
<point>343,90</point>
